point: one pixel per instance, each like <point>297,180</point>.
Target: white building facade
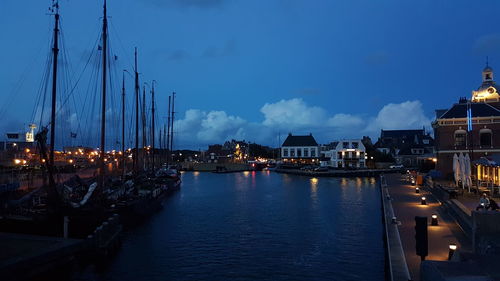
<point>300,149</point>
<point>344,154</point>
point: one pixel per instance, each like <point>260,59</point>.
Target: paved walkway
<point>406,205</point>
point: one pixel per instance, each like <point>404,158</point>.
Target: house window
<point>485,137</point>
<point>345,144</point>
<point>306,152</point>
<point>285,152</point>
<point>292,152</point>
<point>460,137</point>
<point>339,155</point>
<point>313,152</point>
<point>299,152</point>
<point>355,145</point>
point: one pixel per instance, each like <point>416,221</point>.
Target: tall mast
<point>153,124</point>
<point>172,125</point>
<point>136,155</point>
<point>123,124</point>
<point>168,131</point>
<point>55,51</point>
<point>164,137</point>
<point>143,116</point>
<point>103,113</point>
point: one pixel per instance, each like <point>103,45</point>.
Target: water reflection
<point>314,188</point>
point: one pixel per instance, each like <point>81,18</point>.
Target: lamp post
<point>423,201</point>
<point>434,220</point>
<point>453,248</point>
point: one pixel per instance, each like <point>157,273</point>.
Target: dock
<point>338,173</point>
<point>26,256</point>
<point>401,204</point>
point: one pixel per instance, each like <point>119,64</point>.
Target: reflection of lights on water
<point>343,182</point>
<point>196,173</point>
<point>246,173</point>
<point>314,185</point>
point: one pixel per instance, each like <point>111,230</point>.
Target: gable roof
<point>478,109</point>
<point>300,141</point>
<point>401,133</point>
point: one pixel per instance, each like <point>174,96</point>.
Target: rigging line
<point>86,101</point>
<point>19,85</point>
<point>42,86</point>
<point>115,33</point>
<point>45,87</point>
<point>74,87</point>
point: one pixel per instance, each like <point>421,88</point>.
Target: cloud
<point>295,116</point>
<point>406,115</point>
<point>210,127</point>
<point>487,44</point>
<point>342,120</point>
<point>294,112</point>
<point>201,4</point>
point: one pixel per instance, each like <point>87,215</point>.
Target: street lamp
<point>453,248</point>
<point>423,202</point>
<point>434,220</point>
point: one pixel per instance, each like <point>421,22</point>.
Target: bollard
<point>452,248</point>
<point>65,230</point>
<point>417,190</point>
<point>434,220</point>
<point>423,201</point>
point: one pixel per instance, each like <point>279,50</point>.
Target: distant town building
<point>469,126</point>
<point>408,147</point>
<point>344,154</point>
<point>300,149</point>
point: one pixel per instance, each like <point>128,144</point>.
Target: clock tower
<point>488,92</point>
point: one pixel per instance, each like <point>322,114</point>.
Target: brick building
<point>471,126</point>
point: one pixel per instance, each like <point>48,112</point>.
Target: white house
<point>300,149</point>
<point>344,153</point>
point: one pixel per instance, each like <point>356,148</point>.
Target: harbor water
<point>256,226</point>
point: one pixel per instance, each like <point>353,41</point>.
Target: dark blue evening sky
<point>256,69</point>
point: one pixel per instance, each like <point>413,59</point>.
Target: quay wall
<point>338,173</point>
<point>396,266</point>
<point>211,167</point>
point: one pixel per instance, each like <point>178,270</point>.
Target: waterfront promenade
<point>406,204</point>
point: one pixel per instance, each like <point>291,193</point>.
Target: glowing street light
<point>417,190</point>
<point>434,220</point>
<point>453,248</point>
<point>423,201</point>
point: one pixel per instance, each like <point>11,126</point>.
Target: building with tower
<point>471,126</point>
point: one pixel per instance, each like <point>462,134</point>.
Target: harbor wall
<point>211,167</point>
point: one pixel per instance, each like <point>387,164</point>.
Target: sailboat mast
<point>168,131</point>
<point>153,124</point>
<point>55,51</point>
<point>172,125</point>
<point>123,124</point>
<point>103,108</point>
<point>136,155</point>
<point>143,116</point>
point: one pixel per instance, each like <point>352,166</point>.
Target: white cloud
<point>345,120</point>
<point>406,115</point>
<point>294,112</point>
<point>199,128</point>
